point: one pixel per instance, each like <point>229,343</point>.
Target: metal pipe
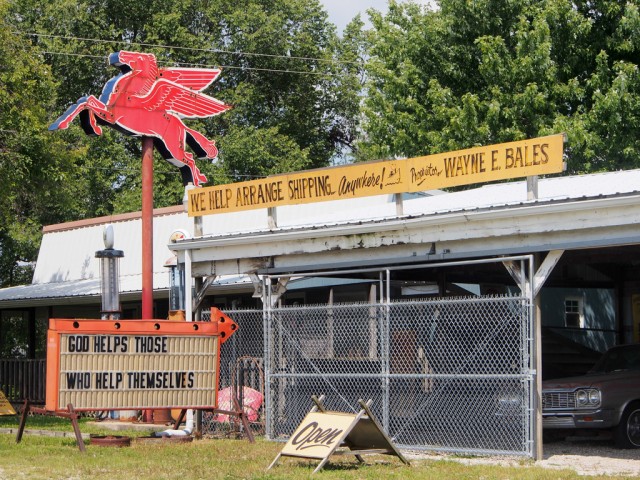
<point>266,325</point>
<point>386,404</point>
<point>147,228</point>
<point>188,287</point>
<point>536,332</point>
<point>408,376</point>
<point>402,267</point>
<point>186,431</point>
<point>388,286</point>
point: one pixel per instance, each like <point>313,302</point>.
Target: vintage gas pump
<point>176,289</point>
<point>176,280</point>
<point>109,276</point>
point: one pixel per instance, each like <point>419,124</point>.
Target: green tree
<point>293,83</point>
<point>491,71</point>
<point>35,174</point>
<point>278,58</point>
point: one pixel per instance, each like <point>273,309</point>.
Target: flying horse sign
<point>146,100</point>
<point>150,102</point>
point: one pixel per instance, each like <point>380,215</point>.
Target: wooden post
<point>76,427</point>
<point>23,420</point>
<point>147,228</point>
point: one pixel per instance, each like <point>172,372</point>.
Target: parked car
<point>608,397</point>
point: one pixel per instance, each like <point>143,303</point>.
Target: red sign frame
<point>105,364</point>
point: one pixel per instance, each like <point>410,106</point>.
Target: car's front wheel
<point>627,433</point>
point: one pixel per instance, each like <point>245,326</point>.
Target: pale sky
<point>342,12</point>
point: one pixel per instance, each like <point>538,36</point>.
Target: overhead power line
<point>202,65</point>
<point>192,49</point>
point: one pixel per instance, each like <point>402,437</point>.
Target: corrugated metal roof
<point>382,208</point>
<point>67,266</point>
<point>513,193</point>
<point>75,288</point>
<point>67,255</point>
<point>44,293</point>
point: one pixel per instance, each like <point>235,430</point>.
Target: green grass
<point>39,457</point>
<point>57,424</point>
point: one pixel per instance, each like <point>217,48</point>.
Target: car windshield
<point>619,358</point>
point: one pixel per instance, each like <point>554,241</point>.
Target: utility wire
<point>192,49</point>
<point>163,172</point>
<point>201,65</point>
<point>68,54</point>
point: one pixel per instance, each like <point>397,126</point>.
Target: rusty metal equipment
<point>110,440</point>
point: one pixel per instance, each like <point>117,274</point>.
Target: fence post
<point>267,327</point>
<point>536,320</point>
<point>386,403</point>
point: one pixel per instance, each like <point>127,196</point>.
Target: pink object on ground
<point>252,401</point>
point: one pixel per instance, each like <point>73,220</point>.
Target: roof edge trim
<point>122,217</point>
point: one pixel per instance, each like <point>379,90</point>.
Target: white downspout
<point>188,428</point>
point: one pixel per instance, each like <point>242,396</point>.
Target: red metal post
<point>147,228</point>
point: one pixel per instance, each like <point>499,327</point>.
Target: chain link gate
<point>241,367</point>
<point>447,374</point>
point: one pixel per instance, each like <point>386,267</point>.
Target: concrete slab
<point>117,425</point>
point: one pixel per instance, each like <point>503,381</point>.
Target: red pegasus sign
<point>145,100</point>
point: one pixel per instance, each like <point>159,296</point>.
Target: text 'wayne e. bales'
<point>463,167</point>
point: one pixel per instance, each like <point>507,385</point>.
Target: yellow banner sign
<point>5,407</point>
<point>474,165</point>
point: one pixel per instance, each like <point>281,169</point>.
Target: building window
<point>574,313</point>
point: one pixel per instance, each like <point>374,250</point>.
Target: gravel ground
<point>586,456</point>
<point>591,457</point>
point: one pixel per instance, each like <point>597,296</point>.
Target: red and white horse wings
<point>145,100</point>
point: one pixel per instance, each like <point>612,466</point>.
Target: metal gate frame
<point>520,267</point>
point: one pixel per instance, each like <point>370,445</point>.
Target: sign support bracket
<point>237,412</point>
<point>70,414</point>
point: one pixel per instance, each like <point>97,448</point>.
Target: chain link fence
<point>241,373</point>
<point>446,375</point>
<point>443,374</point>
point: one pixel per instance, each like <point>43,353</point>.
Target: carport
<point>574,232</point>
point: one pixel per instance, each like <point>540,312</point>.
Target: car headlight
<point>582,397</point>
<point>588,397</point>
<point>594,397</point>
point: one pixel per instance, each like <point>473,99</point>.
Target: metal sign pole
<point>147,228</point>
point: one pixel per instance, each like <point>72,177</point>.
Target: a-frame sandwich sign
<point>323,433</point>
<point>5,407</point>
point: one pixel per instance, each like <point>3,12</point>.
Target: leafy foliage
<point>463,74</point>
<point>294,102</point>
<point>34,174</point>
<point>492,71</point>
